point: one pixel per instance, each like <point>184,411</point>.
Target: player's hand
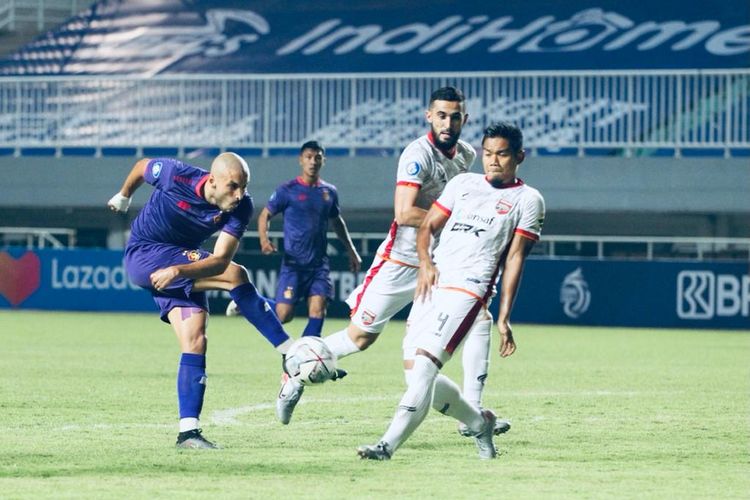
<point>355,262</point>
<point>426,278</point>
<point>267,247</point>
<point>507,344</point>
<point>162,278</point>
<point>119,203</point>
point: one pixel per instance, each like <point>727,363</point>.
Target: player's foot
<point>501,427</point>
<point>485,444</point>
<point>291,391</point>
<point>232,309</point>
<point>194,439</point>
<point>338,374</point>
<point>380,451</point>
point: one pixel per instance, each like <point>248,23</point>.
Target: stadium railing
<point>562,246</point>
<point>37,237</point>
<point>640,112</point>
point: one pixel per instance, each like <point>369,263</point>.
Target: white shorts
<point>388,287</point>
<point>438,326</point>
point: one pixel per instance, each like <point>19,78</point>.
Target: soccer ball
<point>310,361</point>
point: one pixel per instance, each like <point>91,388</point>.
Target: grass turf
<point>88,409</point>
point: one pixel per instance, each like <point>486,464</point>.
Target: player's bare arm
<point>264,220</point>
<point>405,211</point>
<point>120,202</point>
<point>342,232</point>
<point>428,274</point>
<point>209,269</point>
<point>519,249</point>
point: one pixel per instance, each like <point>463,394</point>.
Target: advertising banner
<point>150,37</point>
<point>676,294</point>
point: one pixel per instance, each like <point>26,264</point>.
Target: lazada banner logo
<point>19,278</point>
<point>704,295</point>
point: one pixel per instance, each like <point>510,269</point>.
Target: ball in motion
<point>310,361</point>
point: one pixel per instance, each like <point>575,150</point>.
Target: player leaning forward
<point>489,224</point>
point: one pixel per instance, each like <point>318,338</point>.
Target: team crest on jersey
<point>503,207</point>
<point>192,255</point>
<point>413,168</point>
<point>289,293</point>
<point>367,317</point>
<point>156,169</point>
<point>217,218</point>
<point>326,195</point>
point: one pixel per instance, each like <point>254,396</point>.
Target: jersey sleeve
<point>532,216</point>
<point>160,172</point>
<point>447,198</point>
<point>412,169</point>
<point>239,218</point>
<point>278,201</point>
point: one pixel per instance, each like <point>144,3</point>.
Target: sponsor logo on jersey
<point>413,168</point>
<point>368,317</point>
<point>574,294</point>
<point>156,169</point>
<point>467,228</point>
<point>192,255</point>
<point>502,207</point>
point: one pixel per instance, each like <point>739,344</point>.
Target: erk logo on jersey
<point>467,228</point>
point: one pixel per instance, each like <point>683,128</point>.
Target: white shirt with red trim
<point>428,169</point>
<point>481,224</point>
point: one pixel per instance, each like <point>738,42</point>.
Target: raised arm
<point>433,222</point>
<point>339,227</point>
<point>520,247</point>
<point>264,221</point>
<point>120,202</point>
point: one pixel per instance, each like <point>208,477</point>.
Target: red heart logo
<point>19,278</point>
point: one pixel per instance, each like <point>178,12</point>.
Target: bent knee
<point>237,274</point>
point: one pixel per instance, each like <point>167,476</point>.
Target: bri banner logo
<point>19,278</point>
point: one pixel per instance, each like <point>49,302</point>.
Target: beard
<point>444,145</point>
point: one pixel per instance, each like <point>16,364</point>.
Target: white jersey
<point>425,167</point>
<point>481,224</point>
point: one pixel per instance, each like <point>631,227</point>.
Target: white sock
<point>414,404</point>
<point>188,424</point>
<point>476,361</point>
<point>447,399</point>
<point>340,344</point>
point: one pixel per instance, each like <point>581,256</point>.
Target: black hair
<point>507,131</point>
<point>312,145</point>
<point>447,94</point>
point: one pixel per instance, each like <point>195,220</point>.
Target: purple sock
<point>314,327</point>
<point>191,384</point>
<point>257,311</point>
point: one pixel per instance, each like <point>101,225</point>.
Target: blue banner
<point>563,292</point>
<point>150,37</point>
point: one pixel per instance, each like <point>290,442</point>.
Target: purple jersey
<point>306,210</point>
<point>177,213</point>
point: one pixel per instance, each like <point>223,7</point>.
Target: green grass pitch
<point>88,410</point>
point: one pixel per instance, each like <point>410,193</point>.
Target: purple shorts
<point>143,259</point>
<point>297,284</point>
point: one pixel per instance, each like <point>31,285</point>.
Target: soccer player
<point>425,166</point>
<point>307,204</point>
<point>163,255</point>
<point>487,225</point>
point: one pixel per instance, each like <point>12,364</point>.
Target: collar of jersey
<point>302,181</point>
<point>199,186</point>
<point>518,182</point>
